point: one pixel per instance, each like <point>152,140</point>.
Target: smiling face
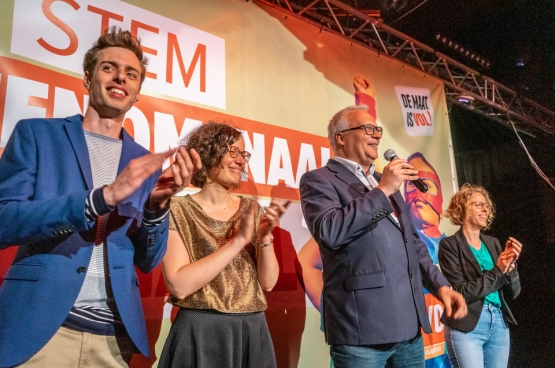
<point>356,145</point>
<point>228,174</point>
<point>115,84</point>
<point>476,217</point>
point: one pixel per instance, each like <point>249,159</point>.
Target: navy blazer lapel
<point>466,251</point>
<point>76,135</point>
<point>347,176</point>
<point>396,203</point>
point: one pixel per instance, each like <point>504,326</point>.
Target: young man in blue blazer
<point>84,204</point>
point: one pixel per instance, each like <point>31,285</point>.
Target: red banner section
<point>279,155</point>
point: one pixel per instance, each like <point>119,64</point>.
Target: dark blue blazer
<point>371,295</point>
<point>45,177</point>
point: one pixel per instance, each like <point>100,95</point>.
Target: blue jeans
<point>403,354</point>
<point>486,346</point>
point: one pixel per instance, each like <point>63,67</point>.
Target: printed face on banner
<point>184,62</point>
<point>418,111</point>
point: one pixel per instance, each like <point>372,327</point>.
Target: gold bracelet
<point>267,244</point>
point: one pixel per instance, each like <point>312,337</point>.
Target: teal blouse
<point>486,263</point>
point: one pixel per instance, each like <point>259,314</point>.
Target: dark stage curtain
<point>489,154</point>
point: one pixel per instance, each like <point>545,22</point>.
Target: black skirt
<point>208,339</point>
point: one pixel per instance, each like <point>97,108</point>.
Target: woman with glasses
<point>485,274</point>
<point>219,262</point>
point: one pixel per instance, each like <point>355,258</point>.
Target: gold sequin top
<point>236,289</point>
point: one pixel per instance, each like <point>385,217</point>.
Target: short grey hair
<point>340,122</point>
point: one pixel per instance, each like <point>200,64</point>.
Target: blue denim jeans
<point>486,346</point>
<point>403,354</point>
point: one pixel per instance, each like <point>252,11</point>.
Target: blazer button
<point>406,241</point>
<point>412,276</point>
<point>81,270</point>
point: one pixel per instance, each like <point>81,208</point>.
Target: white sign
<point>184,62</point>
<point>418,111</point>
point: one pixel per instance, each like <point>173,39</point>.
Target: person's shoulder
<point>315,173</point>
<point>183,206</point>
<point>448,240</point>
<point>181,201</point>
<point>249,201</point>
<point>48,123</point>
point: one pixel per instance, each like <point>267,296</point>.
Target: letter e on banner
<point>184,62</point>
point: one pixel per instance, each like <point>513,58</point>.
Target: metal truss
<point>490,98</point>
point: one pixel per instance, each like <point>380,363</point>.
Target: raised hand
<point>245,229</point>
<point>133,176</point>
<point>175,178</point>
<point>506,259</point>
<point>394,174</point>
<point>271,216</point>
<point>363,84</point>
<point>514,245</point>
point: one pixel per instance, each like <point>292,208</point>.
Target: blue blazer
<point>371,294</point>
<point>45,177</point>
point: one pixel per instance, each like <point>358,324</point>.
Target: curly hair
<point>115,37</point>
<point>457,211</point>
<point>211,141</point>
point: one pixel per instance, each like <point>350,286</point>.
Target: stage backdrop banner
<point>279,80</point>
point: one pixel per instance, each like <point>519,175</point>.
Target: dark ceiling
<point>501,31</point>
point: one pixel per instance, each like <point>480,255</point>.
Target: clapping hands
<point>508,257</point>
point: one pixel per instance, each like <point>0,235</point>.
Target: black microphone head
<point>389,154</point>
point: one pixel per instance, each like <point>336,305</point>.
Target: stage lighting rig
<point>463,50</point>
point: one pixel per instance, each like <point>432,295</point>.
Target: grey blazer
<point>373,268</point>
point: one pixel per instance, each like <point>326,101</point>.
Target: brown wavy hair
<point>459,205</point>
<point>211,141</point>
<point>115,37</point>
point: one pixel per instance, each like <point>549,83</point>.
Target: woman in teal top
<point>485,274</point>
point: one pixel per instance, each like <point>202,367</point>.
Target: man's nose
<point>120,77</point>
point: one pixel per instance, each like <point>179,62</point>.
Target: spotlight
<point>519,62</point>
<point>456,46</point>
<point>462,49</point>
<point>438,36</point>
<point>450,43</point>
<point>464,99</point>
<point>444,40</point>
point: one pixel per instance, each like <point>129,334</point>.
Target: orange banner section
<point>280,155</point>
<point>434,343</point>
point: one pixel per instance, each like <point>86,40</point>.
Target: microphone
<point>390,155</point>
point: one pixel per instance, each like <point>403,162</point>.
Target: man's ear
<point>87,80</point>
<point>339,139</point>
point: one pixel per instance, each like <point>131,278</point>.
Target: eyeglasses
<point>234,152</point>
<point>369,129</point>
<point>480,205</point>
